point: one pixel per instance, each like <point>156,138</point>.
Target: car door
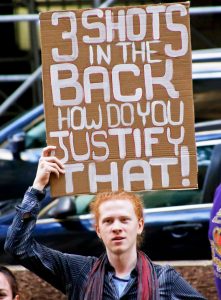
<point>177,221</point>
<point>178,232</point>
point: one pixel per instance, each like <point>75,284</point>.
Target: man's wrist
<point>40,194</point>
<point>38,185</point>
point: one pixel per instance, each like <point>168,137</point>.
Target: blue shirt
<point>69,272</point>
<point>121,283</point>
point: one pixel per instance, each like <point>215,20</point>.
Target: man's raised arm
<point>20,242</point>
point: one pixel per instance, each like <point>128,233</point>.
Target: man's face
<point>118,226</point>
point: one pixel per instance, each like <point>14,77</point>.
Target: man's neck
<point>123,263</point>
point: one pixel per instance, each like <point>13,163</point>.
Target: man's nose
<point>116,226</point>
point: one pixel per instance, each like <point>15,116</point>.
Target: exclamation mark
<point>185,165</point>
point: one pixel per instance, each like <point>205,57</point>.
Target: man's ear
<point>140,225</point>
<point>97,230</point>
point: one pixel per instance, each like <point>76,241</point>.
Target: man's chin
<point>118,250</point>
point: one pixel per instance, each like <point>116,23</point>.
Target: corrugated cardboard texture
<point>118,98</point>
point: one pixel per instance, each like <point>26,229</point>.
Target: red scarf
<point>147,280</point>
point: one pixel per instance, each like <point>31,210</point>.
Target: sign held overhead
<point>118,98</point>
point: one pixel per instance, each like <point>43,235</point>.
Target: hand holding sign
<point>47,165</point>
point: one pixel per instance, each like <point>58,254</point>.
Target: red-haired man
<point>122,272</point>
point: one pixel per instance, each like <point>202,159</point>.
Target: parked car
<point>171,233</point>
<point>21,143</point>
<point>20,123</point>
<point>176,222</point>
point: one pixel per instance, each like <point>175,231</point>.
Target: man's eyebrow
<point>107,218</point>
<point>120,217</point>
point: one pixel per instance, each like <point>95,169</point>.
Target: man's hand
<point>47,164</point>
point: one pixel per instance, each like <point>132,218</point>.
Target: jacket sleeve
<point>174,286</point>
<point>51,265</point>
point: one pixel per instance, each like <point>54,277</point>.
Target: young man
<point>121,272</point>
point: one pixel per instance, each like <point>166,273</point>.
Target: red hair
<point>122,195</point>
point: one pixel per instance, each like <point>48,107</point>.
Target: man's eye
<point>107,221</point>
<point>125,220</point>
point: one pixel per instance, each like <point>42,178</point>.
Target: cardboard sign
<point>118,98</point>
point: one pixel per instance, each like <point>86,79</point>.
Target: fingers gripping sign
<point>48,164</point>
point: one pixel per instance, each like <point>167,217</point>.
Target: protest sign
<point>118,98</point>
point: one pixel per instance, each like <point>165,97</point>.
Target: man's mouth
<point>118,238</point>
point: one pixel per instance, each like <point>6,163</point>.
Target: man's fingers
<point>53,159</point>
<point>45,163</point>
<point>48,150</point>
<point>55,166</point>
<point>53,170</point>
<point>50,164</point>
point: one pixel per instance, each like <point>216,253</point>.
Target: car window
<point>36,136</point>
<point>206,94</point>
<point>204,154</point>
<point>164,198</point>
<point>47,211</point>
<point>81,203</point>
